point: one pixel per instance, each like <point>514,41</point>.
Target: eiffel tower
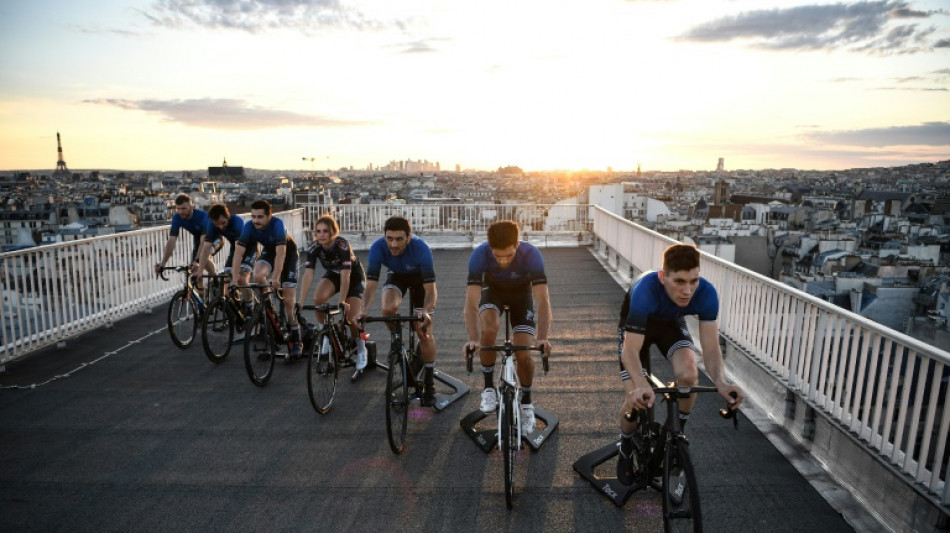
<point>61,170</point>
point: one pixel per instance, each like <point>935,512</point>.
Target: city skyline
<point>173,85</point>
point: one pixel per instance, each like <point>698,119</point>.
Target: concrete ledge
<point>879,487</point>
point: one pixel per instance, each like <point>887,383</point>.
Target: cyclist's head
<point>261,204</point>
<point>398,223</point>
<point>326,225</point>
<point>217,211</point>
<point>183,206</point>
<point>503,234</point>
<point>680,273</point>
<point>679,257</point>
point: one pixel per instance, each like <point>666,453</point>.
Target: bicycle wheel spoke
<point>397,403</point>
<point>260,350</point>
<point>217,330</point>
<point>323,373</point>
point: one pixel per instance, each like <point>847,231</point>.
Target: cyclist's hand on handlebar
<point>275,284</point>
<point>344,306</point>
<point>733,396</point>
<point>158,269</point>
<point>471,347</point>
<point>546,346</point>
<point>642,397</point>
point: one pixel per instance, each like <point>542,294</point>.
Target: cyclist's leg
<point>322,294</point>
<point>427,347</point>
<point>521,315</point>
<point>678,348</point>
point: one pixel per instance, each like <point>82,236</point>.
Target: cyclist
<point>652,313</point>
<point>223,225</point>
<point>507,271</point>
<point>192,220</point>
<point>344,275</point>
<point>278,260</point>
<point>409,263</point>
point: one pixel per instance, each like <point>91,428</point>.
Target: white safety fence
<point>885,387</point>
<point>55,292</point>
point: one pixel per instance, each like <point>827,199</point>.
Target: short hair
<point>679,257</point>
<point>182,199</point>
<point>503,234</point>
<point>217,211</point>
<point>261,204</point>
<point>397,223</point>
<point>329,221</point>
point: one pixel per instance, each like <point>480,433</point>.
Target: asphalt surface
<point>124,431</point>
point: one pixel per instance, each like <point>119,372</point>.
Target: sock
<point>684,417</point>
<point>626,443</point>
<point>488,372</point>
<point>525,394</point>
<point>429,369</point>
<point>360,342</point>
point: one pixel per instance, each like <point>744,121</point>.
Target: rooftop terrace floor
<point>151,437</point>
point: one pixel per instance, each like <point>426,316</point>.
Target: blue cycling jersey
<point>415,259</point>
<point>273,235</point>
<point>196,224</point>
<point>649,301</point>
<point>231,232</point>
<point>526,268</point>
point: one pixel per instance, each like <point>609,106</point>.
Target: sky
<point>545,85</point>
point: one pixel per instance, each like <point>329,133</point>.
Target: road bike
<point>509,407</point>
<point>660,459</point>
<point>185,308</point>
<point>404,377</point>
<point>265,330</point>
<point>331,349</point>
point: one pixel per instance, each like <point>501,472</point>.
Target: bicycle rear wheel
<point>509,441</point>
<point>397,402</point>
<point>681,509</point>
<point>260,350</point>
<point>217,331</point>
<point>323,374</point>
<point>182,319</point>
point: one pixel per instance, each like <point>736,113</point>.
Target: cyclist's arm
<point>712,359</point>
<point>239,250</point>
<point>344,284</point>
<point>278,263</point>
<point>167,253</point>
<point>637,385</point>
<point>368,295</point>
<point>472,296</point>
<point>432,296</point>
<point>542,300</point>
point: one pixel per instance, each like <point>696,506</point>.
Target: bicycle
<point>184,310</point>
<point>509,408</point>
<point>660,456</point>
<point>405,370</point>
<point>331,350</point>
<point>264,331</point>
<point>224,316</point>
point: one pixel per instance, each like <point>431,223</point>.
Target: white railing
<point>888,389</point>
<point>51,293</point>
<point>455,220</point>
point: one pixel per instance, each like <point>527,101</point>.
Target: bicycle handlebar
<point>176,269</point>
<point>683,392</point>
<point>261,287</point>
<point>469,354</point>
<point>332,309</point>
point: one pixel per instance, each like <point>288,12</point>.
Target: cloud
<point>224,113</point>
<point>926,134</point>
<point>865,27</point>
<point>256,16</point>
<point>942,43</point>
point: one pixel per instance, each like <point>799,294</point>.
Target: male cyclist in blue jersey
<point>278,260</point>
<point>409,261</point>
<point>222,224</point>
<point>192,220</point>
<point>653,313</point>
<point>507,271</point>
